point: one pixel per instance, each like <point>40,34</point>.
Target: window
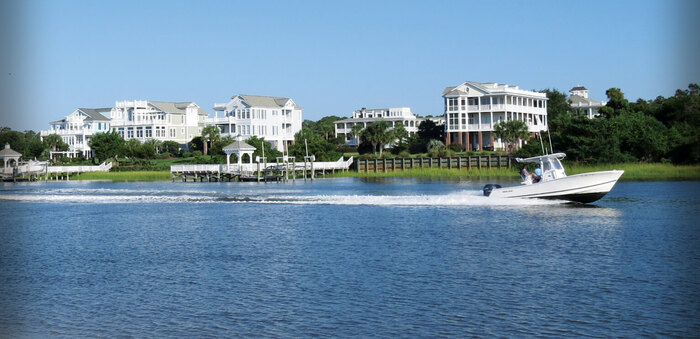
<point>454,121</point>
<point>149,132</point>
<point>452,104</point>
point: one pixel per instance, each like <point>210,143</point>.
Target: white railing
<point>221,120</point>
<point>86,131</point>
<point>103,167</point>
<point>41,167</point>
<point>235,168</point>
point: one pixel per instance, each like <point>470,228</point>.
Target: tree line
<point>659,130</point>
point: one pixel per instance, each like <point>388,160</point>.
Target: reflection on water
<point>345,257</point>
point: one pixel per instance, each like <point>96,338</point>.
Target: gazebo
<point>8,155</point>
<point>239,148</point>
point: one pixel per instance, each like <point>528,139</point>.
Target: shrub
<point>197,154</point>
<point>404,154</point>
<point>455,147</point>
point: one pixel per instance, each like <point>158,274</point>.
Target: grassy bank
<point>125,176</point>
<point>642,172</point>
<point>633,172</point>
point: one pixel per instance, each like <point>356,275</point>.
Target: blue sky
<point>332,57</point>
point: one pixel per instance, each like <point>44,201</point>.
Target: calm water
<point>345,258</point>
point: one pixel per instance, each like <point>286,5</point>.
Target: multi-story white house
<point>473,108</point>
<point>364,117</point>
<point>160,120</point>
<point>275,119</point>
<point>581,103</point>
<point>77,128</point>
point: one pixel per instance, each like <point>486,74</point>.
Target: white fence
<point>234,168</point>
<point>42,167</point>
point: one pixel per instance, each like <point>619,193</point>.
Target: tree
<point>326,126</point>
<point>259,143</point>
<point>132,148</point>
<point>400,133</point>
<point>317,145</point>
<point>617,104</point>
<point>428,130</point>
<point>209,134</point>
<point>356,130</point>
<point>511,131</point>
<point>107,145</point>
<point>557,104</point>
<point>54,142</point>
<point>378,135</point>
<point>171,147</point>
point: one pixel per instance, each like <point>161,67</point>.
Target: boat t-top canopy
<point>542,157</point>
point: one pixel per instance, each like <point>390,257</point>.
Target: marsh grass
<point>125,176</point>
<point>633,172</point>
<point>642,171</point>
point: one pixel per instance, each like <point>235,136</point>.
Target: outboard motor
<point>489,187</point>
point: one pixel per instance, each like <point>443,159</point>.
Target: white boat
<point>555,184</point>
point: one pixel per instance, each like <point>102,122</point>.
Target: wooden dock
<point>261,172</point>
<point>41,170</point>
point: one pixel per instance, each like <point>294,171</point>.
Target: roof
<point>264,101</point>
<point>490,88</point>
<point>577,100</point>
<point>239,145</point>
<point>175,107</point>
<point>95,113</point>
<point>8,152</point>
<point>578,88</point>
<point>539,158</point>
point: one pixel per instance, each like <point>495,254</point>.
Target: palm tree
<point>355,132</point>
<point>511,131</point>
<point>209,134</point>
<point>377,134</point>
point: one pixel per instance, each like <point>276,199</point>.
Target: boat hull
<point>583,188</point>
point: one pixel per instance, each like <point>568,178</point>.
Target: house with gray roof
<point>365,117</point>
<point>159,120</point>
<point>580,102</point>
<point>77,128</point>
<point>472,109</point>
<point>276,119</point>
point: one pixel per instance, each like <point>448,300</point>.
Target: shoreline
<point>633,172</point>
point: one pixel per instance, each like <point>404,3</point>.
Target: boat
<point>555,184</point>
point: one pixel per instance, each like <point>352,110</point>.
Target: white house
<point>275,119</point>
<point>473,108</point>
<point>581,103</point>
<point>77,128</point>
<point>364,117</point>
<point>160,120</point>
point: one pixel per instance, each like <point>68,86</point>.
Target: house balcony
<point>62,132</point>
<point>221,120</point>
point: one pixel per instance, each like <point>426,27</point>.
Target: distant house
<point>580,102</point>
<point>473,108</point>
<point>77,128</point>
<point>276,119</point>
<point>364,117</point>
<point>160,120</point>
